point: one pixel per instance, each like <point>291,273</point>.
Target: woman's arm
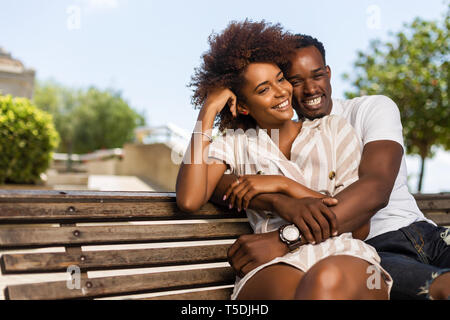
<point>198,177</point>
<point>245,188</point>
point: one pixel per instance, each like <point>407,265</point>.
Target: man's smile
<point>313,102</point>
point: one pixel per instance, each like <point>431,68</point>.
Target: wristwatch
<point>290,234</point>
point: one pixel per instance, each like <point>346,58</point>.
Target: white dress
<point>324,157</point>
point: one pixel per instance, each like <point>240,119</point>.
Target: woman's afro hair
<point>231,51</point>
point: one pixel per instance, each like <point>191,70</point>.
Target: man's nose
<point>310,87</point>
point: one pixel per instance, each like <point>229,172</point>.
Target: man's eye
<point>281,79</point>
<point>318,76</point>
<point>296,82</point>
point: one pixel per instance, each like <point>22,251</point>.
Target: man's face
<point>310,79</point>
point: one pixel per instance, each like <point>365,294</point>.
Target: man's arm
<point>380,163</point>
<point>378,170</point>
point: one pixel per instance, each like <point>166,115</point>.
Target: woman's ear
<point>242,109</point>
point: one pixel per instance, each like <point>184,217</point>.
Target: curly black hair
<point>231,51</point>
<point>304,41</point>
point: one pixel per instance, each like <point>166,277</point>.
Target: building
<point>15,79</point>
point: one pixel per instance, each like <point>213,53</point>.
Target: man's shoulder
<point>366,107</point>
<point>364,101</point>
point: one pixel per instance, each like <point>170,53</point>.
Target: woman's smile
<point>285,105</point>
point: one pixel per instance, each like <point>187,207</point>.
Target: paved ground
<point>118,183</point>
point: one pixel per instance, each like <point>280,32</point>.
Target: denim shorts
<point>414,256</point>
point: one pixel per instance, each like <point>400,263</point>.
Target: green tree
<point>60,102</point>
<point>90,119</point>
<point>413,70</point>
<point>103,120</point>
<point>27,140</point>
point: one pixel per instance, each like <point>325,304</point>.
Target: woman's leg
<point>341,277</point>
<point>274,282</point>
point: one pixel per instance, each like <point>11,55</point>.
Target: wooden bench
<point>69,226</point>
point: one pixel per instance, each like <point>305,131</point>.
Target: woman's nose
<point>281,91</point>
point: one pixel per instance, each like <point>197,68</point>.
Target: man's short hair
<point>304,41</point>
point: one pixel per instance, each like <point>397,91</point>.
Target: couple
<point>298,180</point>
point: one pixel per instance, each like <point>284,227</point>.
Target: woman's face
<point>267,94</point>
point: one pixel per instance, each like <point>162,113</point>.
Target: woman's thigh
<point>342,277</point>
<point>274,282</point>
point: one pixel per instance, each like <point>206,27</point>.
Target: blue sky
<point>148,49</point>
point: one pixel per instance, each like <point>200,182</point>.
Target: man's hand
<point>252,250</point>
<point>316,221</point>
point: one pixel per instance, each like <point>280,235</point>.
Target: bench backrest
<point>131,243</point>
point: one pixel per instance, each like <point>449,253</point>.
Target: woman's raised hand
<point>218,98</point>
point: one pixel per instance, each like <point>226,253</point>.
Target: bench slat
<point>433,203</point>
<point>56,236</point>
<point>102,260</point>
<point>215,294</point>
<point>82,196</point>
<point>120,285</point>
<point>441,219</point>
<point>110,211</point>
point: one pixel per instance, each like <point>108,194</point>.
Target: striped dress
<point>324,157</point>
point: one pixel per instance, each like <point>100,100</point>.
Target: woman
<point>241,83</point>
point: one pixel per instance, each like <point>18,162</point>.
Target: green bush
<point>27,139</point>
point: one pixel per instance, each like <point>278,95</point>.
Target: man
<point>413,249</point>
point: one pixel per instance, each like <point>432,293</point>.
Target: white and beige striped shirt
<point>324,157</point>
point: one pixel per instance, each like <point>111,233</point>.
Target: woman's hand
<point>252,250</point>
<point>219,98</point>
<point>241,191</point>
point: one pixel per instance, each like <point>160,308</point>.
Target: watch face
<point>291,233</point>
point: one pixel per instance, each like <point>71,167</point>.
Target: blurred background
<point>113,75</point>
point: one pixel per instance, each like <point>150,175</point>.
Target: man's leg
<point>439,254</point>
<point>418,259</point>
<point>412,279</point>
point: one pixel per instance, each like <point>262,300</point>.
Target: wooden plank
<point>428,203</point>
<point>215,294</point>
<point>121,285</point>
<point>440,218</point>
<point>103,260</point>
<point>48,236</point>
<point>80,196</point>
<point>106,211</point>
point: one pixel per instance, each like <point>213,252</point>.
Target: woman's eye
<point>281,79</point>
<point>262,91</point>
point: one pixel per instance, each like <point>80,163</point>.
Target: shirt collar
<point>337,107</point>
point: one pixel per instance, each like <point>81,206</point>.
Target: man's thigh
<point>412,278</point>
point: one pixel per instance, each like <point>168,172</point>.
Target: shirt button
<point>331,175</point>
